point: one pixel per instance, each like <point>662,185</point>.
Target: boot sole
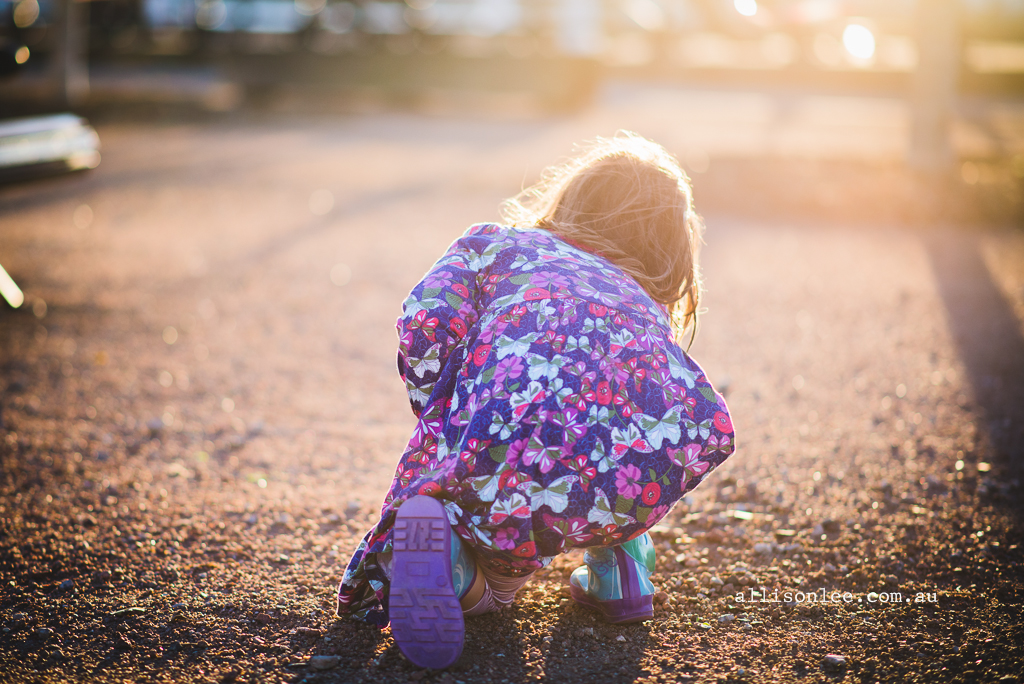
<point>426,617</point>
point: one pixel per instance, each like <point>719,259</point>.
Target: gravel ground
<point>200,415</point>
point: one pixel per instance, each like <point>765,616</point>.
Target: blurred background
<point>936,85</point>
<point>563,48</point>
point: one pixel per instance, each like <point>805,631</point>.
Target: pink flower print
<point>505,538</point>
<point>549,280</point>
<point>458,327</point>
<point>722,422</point>
<point>535,293</point>
<point>515,452</point>
<point>509,368</point>
<point>467,312</point>
<point>480,355</point>
<point>438,279</point>
<point>627,481</point>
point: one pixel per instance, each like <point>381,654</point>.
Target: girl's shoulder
<point>498,231</point>
<point>524,237</point>
<point>529,242</point>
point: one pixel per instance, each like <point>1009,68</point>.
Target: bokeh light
<point>859,41</point>
<point>747,8</point>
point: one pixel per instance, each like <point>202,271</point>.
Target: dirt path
<point>200,414</point>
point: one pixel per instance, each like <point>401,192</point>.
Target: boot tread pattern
<point>419,534</point>
<point>426,617</point>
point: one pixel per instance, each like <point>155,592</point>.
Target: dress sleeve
<point>439,312</point>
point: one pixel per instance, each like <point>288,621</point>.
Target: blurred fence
<point>556,49</point>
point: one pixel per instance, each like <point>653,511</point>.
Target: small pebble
<point>128,612</point>
<point>818,530</point>
<point>324,662</point>
<point>44,632</point>
<point>620,638</point>
<point>829,567</point>
<point>67,584</point>
<point>833,661</point>
<point>178,606</point>
<point>726,618</point>
<point>763,548</point>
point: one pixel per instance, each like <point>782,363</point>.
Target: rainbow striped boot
<point>615,581</point>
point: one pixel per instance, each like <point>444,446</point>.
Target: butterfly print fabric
<point>554,408</point>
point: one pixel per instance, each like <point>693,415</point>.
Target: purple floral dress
<point>555,410</point>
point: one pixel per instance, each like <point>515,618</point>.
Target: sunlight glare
<point>858,41</point>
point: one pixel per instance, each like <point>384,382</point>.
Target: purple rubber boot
<point>426,618</point>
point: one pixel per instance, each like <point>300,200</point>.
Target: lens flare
<point>859,41</point>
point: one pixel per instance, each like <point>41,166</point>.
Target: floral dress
<point>554,408</point>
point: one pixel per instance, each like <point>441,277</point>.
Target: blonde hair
<point>627,199</point>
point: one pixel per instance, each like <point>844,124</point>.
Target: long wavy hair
<point>628,200</point>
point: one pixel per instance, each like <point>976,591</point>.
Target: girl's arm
<point>439,312</point>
